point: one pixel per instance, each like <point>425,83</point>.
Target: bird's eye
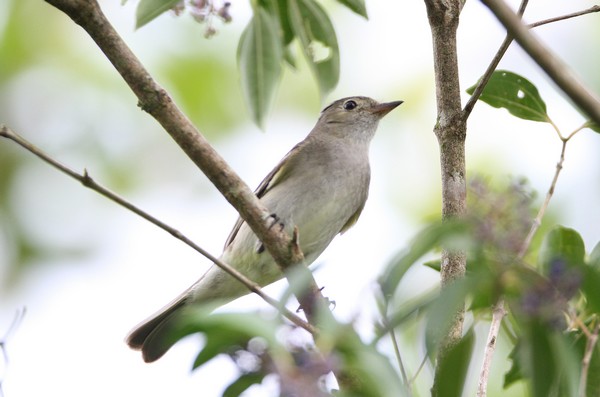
<point>349,105</point>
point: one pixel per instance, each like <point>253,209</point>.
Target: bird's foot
<point>275,220</point>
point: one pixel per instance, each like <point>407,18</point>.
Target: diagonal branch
<point>504,46</point>
<point>554,67</point>
<point>155,100</point>
<point>86,180</point>
<point>491,67</point>
<point>590,10</point>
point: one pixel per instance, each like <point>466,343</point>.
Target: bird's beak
<point>384,108</point>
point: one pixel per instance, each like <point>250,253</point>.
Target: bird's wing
<point>272,178</point>
<point>353,219</point>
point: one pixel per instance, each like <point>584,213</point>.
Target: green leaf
<point>589,287</point>
<point>259,58</point>
<point>547,358</point>
<point>515,93</point>
<point>147,10</point>
<point>431,237</point>
<point>358,6</point>
<point>408,310</point>
<point>318,41</point>
<point>515,373</point>
<point>279,12</point>
<point>454,365</point>
<point>594,258</point>
<point>442,312</point>
<point>371,373</point>
<point>593,382</point>
<point>592,125</point>
<point>218,342</point>
<point>242,383</point>
<point>222,331</point>
<point>564,244</point>
<point>435,264</point>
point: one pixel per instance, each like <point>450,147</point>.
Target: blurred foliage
<point>552,313</point>
<point>202,85</point>
<point>264,46</point>
<point>95,125</point>
<point>552,292</point>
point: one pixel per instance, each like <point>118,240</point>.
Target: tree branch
<point>450,130</point>
<point>504,46</point>
<point>557,70</point>
<point>590,345</point>
<point>155,100</point>
<point>86,180</point>
<point>491,67</point>
<point>590,10</point>
<point>490,347</point>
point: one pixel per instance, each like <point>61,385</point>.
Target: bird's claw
<point>275,220</point>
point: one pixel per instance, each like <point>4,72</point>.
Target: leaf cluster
<point>265,45</point>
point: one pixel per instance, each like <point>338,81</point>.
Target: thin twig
<point>485,78</point>
<point>590,10</point>
<point>157,102</point>
<point>499,310</point>
<point>398,356</point>
<point>587,359</point>
<point>412,380</point>
<point>538,219</point>
<point>554,67</point>
<point>497,315</point>
<point>491,67</point>
<point>87,181</point>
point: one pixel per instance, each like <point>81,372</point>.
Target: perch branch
<point>155,100</point>
<point>86,180</point>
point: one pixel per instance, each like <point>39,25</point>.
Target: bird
<point>320,187</point>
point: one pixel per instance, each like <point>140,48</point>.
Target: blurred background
<point>88,271</point>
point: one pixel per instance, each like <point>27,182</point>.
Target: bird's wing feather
<point>272,178</point>
<point>353,219</point>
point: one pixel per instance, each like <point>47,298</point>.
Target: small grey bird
<point>320,186</point>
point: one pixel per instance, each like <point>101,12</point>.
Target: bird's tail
<point>151,336</point>
<point>213,289</point>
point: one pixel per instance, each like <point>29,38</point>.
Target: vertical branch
<point>450,130</point>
